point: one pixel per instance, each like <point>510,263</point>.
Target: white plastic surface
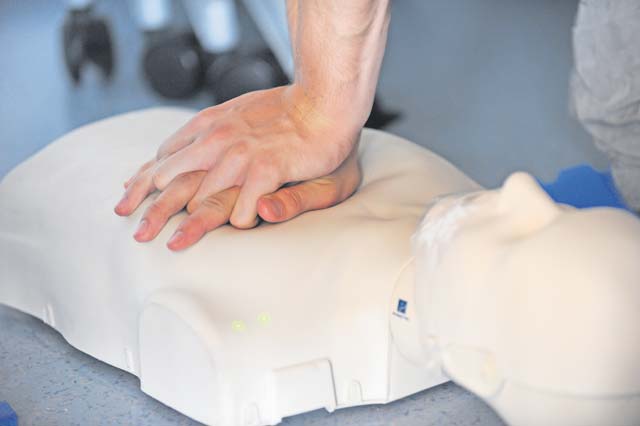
<point>246,327</point>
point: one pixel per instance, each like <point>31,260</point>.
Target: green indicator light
<point>264,319</point>
<point>238,325</point>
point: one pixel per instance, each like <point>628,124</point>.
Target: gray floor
<point>483,83</point>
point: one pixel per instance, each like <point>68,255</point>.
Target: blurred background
<point>482,83</point>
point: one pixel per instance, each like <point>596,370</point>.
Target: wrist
<point>338,49</point>
<point>314,113</point>
<point>327,109</point>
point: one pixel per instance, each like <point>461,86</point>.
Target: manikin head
<point>532,305</point>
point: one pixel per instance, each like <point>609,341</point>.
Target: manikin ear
<point>525,205</point>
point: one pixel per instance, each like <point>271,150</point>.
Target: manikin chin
<point>531,305</point>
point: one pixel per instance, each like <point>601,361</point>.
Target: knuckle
<point>333,184</point>
<point>215,205</point>
<point>222,131</point>
<point>243,224</point>
<point>136,187</point>
<point>294,199</point>
<point>155,209</point>
<point>239,149</point>
<point>159,180</point>
<point>261,162</point>
<point>184,180</point>
<point>208,111</point>
<point>204,116</point>
<point>208,140</point>
<point>194,226</point>
<point>178,181</point>
<point>189,182</point>
<point>265,168</point>
<point>199,119</point>
<point>192,206</point>
<point>332,193</point>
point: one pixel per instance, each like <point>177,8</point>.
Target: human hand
<point>257,142</point>
<point>263,140</point>
<point>216,209</point>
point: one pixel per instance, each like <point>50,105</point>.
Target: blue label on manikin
<point>402,306</point>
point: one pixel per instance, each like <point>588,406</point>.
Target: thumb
<point>321,193</point>
<point>289,202</point>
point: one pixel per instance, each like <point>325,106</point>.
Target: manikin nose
<point>525,205</point>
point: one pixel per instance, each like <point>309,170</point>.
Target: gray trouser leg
<point>605,85</point>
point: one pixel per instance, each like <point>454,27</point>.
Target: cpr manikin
<point>531,305</point>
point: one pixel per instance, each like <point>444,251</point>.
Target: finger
<point>212,213</point>
<point>188,133</point>
<point>227,173</point>
<point>135,193</point>
<point>141,170</point>
<point>169,202</point>
<point>261,180</point>
<point>291,201</point>
<point>176,142</point>
<point>200,155</point>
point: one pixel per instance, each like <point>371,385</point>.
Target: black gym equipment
<point>87,39</point>
<point>177,67</point>
<point>172,64</point>
<point>233,74</point>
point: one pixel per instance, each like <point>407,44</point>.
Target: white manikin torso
<point>532,306</point>
<point>245,327</point>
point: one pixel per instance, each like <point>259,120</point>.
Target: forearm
<point>338,48</point>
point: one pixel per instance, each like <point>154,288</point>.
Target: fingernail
<point>142,228</point>
<point>176,239</point>
<point>276,207</point>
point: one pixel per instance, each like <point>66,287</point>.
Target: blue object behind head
<point>582,187</point>
<point>8,417</point>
